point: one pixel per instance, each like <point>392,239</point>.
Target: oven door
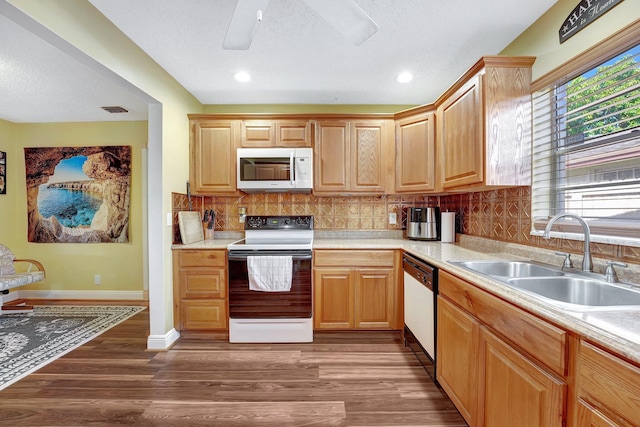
<point>247,304</point>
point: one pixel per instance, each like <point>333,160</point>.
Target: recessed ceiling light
<point>241,76</point>
<point>404,77</point>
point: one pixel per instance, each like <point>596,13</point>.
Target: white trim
<point>162,342</point>
<point>160,284</point>
<point>79,294</point>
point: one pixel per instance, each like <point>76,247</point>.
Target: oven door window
<point>247,304</point>
<point>265,169</point>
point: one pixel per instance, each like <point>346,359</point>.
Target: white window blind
<point>586,150</point>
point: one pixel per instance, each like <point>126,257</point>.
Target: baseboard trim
<point>80,294</point>
<point>162,342</point>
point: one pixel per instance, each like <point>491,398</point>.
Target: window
<point>586,150</point>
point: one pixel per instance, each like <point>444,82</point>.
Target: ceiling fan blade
<point>243,24</point>
<point>346,17</point>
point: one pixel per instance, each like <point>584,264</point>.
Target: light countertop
<point>616,330</point>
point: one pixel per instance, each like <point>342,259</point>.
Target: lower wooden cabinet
<point>457,358</point>
<point>608,389</point>
<point>515,389</point>
<point>588,416</point>
<point>200,289</point>
<point>363,295</point>
<point>490,378</point>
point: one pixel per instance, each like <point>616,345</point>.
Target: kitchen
<point>474,220</point>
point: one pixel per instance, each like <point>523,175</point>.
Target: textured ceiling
<point>295,57</point>
<point>41,84</point>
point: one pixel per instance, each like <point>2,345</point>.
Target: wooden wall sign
<point>584,14</point>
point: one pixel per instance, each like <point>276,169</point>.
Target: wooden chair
<point>32,272</point>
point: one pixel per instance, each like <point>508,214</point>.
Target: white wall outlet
<point>97,279</point>
<point>393,219</point>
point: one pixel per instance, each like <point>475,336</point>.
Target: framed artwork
<point>3,172</point>
<point>78,194</point>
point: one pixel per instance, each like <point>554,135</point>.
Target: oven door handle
<point>243,257</point>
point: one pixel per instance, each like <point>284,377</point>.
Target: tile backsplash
<point>330,213</point>
<point>501,214</point>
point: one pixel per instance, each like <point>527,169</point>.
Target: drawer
<point>204,315</point>
<point>202,258</point>
<point>609,383</point>
<point>351,258</point>
<point>203,283</point>
<point>539,339</point>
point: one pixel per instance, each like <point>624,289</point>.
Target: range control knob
<point>254,222</point>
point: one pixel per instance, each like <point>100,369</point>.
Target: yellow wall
<point>79,23</point>
<point>8,229</point>
<point>541,38</point>
<point>72,266</point>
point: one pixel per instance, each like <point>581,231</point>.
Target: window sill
<point>595,238</point>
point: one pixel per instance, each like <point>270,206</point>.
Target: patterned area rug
<point>28,341</point>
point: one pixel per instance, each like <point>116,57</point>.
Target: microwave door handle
<point>292,168</point>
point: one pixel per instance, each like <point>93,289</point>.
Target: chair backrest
<point>6,261</point>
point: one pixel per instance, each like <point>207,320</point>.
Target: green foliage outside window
<point>605,102</point>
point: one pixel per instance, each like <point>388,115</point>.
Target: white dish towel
<point>270,273</point>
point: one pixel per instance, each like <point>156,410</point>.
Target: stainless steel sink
<point>577,291</point>
<point>508,268</point>
<point>567,289</point>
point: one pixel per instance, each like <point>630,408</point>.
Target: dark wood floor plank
<point>341,379</point>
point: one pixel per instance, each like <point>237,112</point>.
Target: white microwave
<point>275,170</point>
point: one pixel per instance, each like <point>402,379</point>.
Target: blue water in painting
<point>71,208</point>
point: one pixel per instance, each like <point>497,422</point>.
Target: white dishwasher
<point>420,289</point>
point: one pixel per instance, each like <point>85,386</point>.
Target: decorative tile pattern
<point>502,214</point>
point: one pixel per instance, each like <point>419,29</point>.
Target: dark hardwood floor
<point>342,379</point>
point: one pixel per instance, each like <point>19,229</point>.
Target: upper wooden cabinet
<point>276,133</point>
<point>353,156</point>
<point>484,126</point>
<point>415,153</point>
<point>213,156</point>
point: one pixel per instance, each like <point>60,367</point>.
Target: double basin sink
<point>573,291</point>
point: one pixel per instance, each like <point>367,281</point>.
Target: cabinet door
<point>197,282</point>
<point>331,157</point>
<point>462,143</point>
<point>334,298</point>
<point>415,154</point>
<point>367,157</point>
<point>213,157</point>
<point>608,384</point>
<point>374,298</point>
<point>258,133</point>
<point>517,392</point>
<point>204,314</point>
<point>457,356</point>
<point>588,416</point>
<point>293,134</point>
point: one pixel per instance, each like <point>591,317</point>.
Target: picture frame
<point>3,172</point>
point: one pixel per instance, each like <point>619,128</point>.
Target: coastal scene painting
<point>78,194</point>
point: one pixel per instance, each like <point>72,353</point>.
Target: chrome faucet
<point>587,263</point>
